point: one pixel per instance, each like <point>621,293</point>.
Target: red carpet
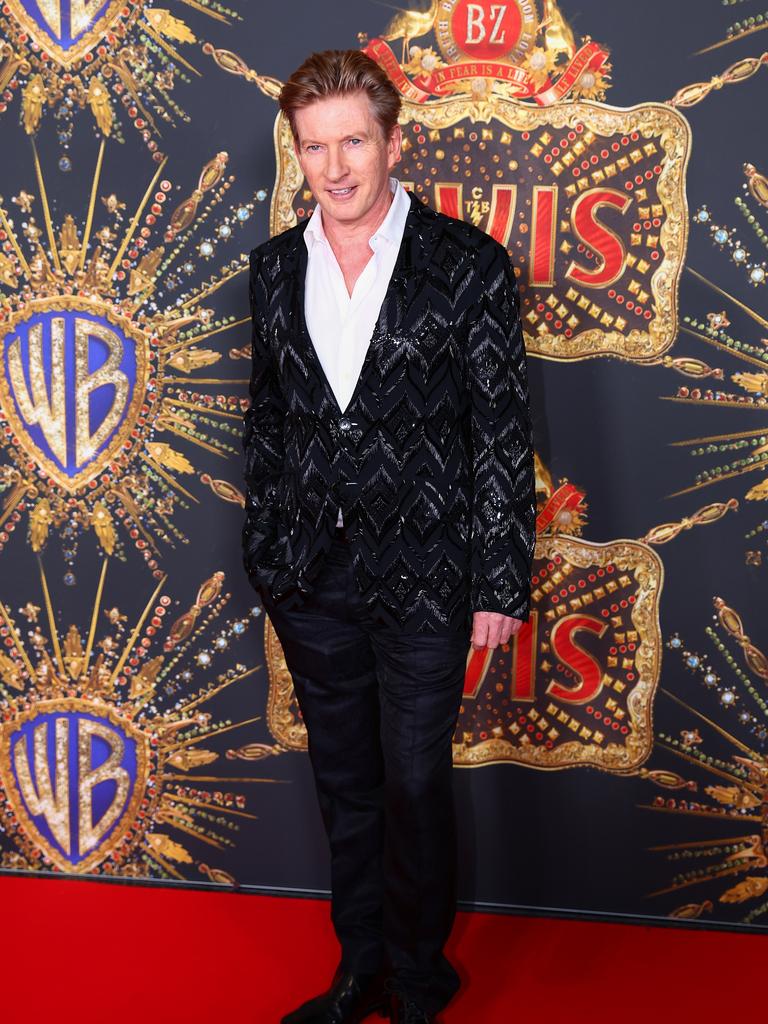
<point>90,953</point>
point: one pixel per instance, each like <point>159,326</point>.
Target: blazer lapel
<point>416,248</point>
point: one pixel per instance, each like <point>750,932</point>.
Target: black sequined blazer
<point>432,460</point>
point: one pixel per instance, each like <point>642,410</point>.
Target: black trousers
<point>380,706</point>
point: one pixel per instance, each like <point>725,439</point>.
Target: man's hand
<point>490,629</point>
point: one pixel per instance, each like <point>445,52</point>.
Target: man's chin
<point>344,212</point>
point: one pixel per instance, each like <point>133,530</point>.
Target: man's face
<point>344,155</point>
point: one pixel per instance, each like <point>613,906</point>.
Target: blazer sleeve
<point>501,441</point>
<point>262,436</point>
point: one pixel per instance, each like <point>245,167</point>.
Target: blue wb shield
<point>71,387</point>
<point>65,28</point>
<point>75,779</point>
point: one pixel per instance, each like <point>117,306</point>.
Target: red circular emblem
<point>486,30</point>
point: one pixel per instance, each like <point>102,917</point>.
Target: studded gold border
<point>648,569</point>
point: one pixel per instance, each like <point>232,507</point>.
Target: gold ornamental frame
<point>628,555</point>
<point>644,562</point>
<point>653,121</point>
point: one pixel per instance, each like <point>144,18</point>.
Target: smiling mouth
<point>340,193</point>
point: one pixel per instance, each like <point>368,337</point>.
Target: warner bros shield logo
<point>66,29</point>
<point>71,389</point>
<point>74,774</point>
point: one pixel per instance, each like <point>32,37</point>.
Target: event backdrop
<point>613,759</point>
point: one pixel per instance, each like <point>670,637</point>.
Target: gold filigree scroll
<point>599,178</point>
<point>694,93</point>
<point>283,715</point>
<point>576,686</point>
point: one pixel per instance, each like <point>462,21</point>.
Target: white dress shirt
<point>340,325</point>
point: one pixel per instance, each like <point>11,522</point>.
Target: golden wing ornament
<point>98,100</point>
<point>169,457</point>
<point>163,21</point>
<point>10,672</point>
<point>103,525</point>
<point>32,104</point>
<point>39,523</point>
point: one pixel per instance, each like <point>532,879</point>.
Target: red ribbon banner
<point>437,83</point>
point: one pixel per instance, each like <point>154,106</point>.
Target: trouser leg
<point>421,683</point>
<point>333,669</point>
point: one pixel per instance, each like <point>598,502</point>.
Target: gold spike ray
<point>171,50</point>
<point>69,244</point>
<point>95,616</point>
<point>197,6</point>
<point>46,208</point>
<point>8,272</point>
<point>142,277</point>
<point>73,653</point>
<point>136,630</point>
<point>91,204</point>
<point>188,360</point>
<point>123,72</point>
<point>187,759</point>
<point>51,617</point>
<point>14,242</point>
<point>14,636</point>
<point>143,683</point>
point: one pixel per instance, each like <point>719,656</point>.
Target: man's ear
<point>394,145</point>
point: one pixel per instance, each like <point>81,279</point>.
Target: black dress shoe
<point>349,1000</point>
<point>405,1011</point>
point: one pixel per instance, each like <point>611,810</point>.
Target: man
<point>390,516</point>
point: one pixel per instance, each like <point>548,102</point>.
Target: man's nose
<point>336,166</point>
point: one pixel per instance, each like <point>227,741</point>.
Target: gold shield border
<point>17,804</point>
<point>287,729</point>
<point>75,303</point>
<point>652,120</point>
<point>66,58</point>
<point>643,561</point>
<point>617,758</point>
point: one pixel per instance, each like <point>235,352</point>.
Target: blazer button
<point>344,424</point>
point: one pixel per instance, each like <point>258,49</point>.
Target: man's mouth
<point>339,193</point>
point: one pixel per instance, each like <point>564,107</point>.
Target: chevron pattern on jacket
<point>431,462</point>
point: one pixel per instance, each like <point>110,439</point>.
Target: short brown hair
<point>339,73</point>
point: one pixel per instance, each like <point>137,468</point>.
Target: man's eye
<point>312,149</point>
<point>355,140</point>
